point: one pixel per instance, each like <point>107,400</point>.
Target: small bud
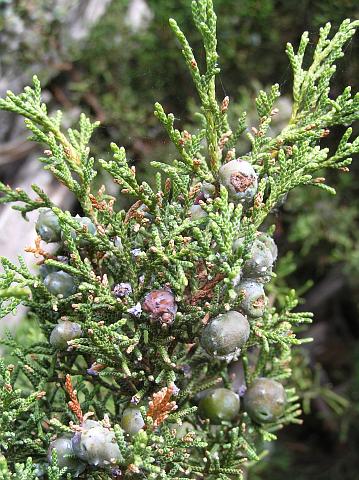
<point>136,310</point>
<point>122,290</point>
<point>225,104</point>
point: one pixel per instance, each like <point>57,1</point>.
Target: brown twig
<point>160,406</point>
<point>207,290</point>
<point>73,404</point>
<point>133,213</point>
<point>102,205</point>
<point>38,251</point>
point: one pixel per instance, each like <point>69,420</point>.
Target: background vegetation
<point>118,73</point>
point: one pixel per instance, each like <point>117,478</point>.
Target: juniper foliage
<point>128,353</point>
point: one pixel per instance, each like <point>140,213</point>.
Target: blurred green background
<point>113,61</point>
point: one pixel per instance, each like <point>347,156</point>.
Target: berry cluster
<point>58,282</point>
<point>94,444</point>
<point>225,335</point>
<point>222,337</point>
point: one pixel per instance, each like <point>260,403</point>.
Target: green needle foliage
<point>129,352</point>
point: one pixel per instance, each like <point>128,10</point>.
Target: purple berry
<point>226,334</point>
<point>96,445</point>
<point>60,284</point>
<point>66,456</point>
<point>254,300</point>
<point>48,226</point>
<point>265,400</point>
<point>161,305</point>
